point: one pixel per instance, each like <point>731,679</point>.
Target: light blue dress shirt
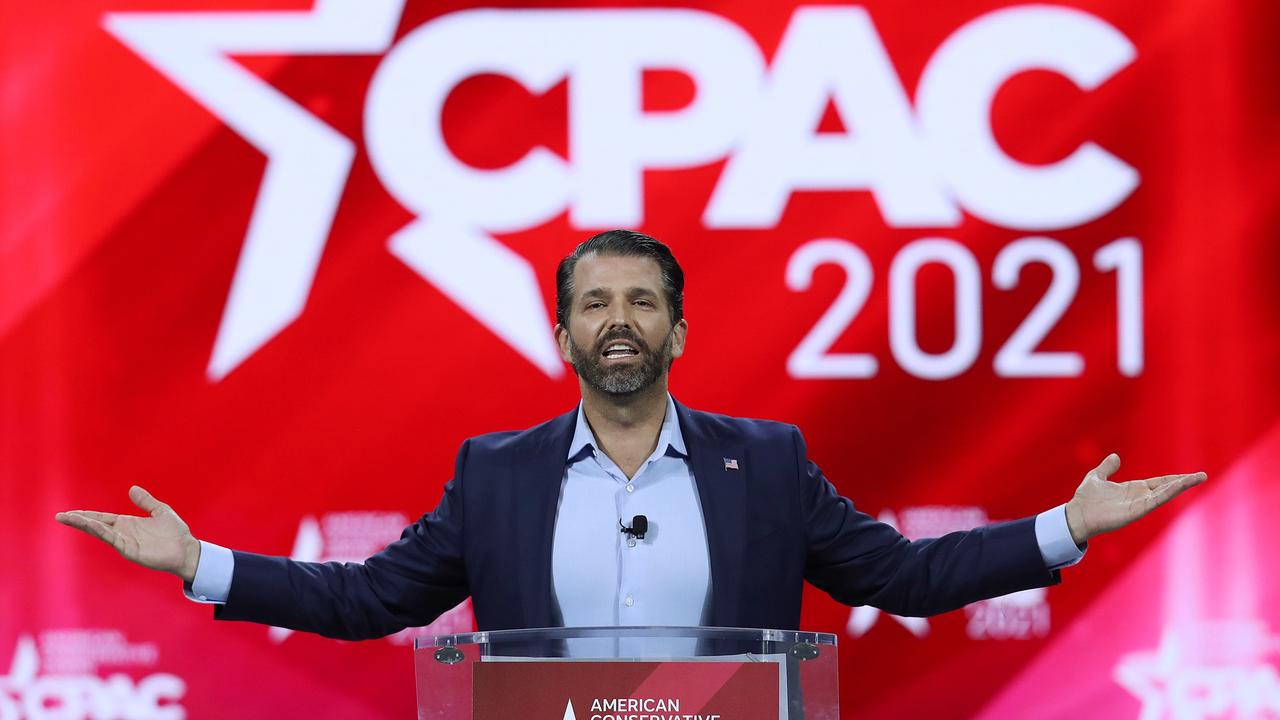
<point>599,576</point>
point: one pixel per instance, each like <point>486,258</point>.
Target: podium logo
<point>1020,615</point>
<point>351,537</point>
<point>926,160</point>
<point>58,677</point>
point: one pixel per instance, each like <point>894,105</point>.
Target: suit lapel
<point>540,479</point>
<point>722,491</point>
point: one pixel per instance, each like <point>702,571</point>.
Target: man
<point>529,527</point>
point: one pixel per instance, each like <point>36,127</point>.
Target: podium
<point>628,673</point>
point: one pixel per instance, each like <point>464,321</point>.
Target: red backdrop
<point>275,264</point>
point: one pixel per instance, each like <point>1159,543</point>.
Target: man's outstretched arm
<point>409,583</point>
<point>861,561</point>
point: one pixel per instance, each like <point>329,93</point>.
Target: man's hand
<point>161,541</point>
<point>1100,505</point>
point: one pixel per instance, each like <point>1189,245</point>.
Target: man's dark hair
<point>627,243</point>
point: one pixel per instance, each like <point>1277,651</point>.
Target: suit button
<point>629,602</point>
<point>631,542</point>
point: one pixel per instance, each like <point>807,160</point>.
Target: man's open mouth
<point>619,349</point>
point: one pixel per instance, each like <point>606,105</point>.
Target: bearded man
<point>738,516</point>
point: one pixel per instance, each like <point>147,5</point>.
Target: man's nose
<point>619,315</point>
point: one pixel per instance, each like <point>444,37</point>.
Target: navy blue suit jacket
<point>771,524</point>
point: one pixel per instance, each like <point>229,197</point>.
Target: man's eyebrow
<point>603,292</point>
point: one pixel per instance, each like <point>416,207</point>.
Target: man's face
<point>620,339</point>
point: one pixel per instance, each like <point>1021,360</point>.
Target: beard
<point>621,380</point>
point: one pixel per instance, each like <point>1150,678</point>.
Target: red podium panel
<point>625,690</point>
<point>628,673</point>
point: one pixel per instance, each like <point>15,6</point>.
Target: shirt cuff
<point>212,583</point>
<point>1054,537</point>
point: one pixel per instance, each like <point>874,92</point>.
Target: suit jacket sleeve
<point>409,583</point>
<point>861,561</point>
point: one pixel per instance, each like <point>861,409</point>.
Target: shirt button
<point>629,602</point>
<point>630,543</point>
<point>631,488</point>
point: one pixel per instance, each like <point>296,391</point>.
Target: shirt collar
<point>670,439</point>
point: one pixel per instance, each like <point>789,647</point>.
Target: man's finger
<point>145,501</point>
<point>72,518</point>
<point>1157,484</point>
<point>1169,487</point>
<point>1108,466</point>
<point>89,525</point>
<point>105,517</point>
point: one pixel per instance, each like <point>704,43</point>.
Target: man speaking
<point>631,509</point>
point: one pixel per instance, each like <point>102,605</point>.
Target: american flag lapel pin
<point>731,463</point>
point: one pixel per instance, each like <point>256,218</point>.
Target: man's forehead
<point>617,272</point>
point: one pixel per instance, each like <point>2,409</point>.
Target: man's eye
<point>594,305</point>
<point>644,303</point>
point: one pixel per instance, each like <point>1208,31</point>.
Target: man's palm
<point>160,540</point>
<point>1100,505</point>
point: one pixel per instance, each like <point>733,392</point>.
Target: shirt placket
<point>627,601</point>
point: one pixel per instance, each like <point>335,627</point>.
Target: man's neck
<point>627,428</point>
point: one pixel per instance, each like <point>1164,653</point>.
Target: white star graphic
<point>307,167</point>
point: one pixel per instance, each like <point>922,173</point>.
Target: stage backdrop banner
<point>274,260</point>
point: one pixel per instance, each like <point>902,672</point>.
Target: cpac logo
<point>923,162</point>
<point>58,678</point>
<point>1206,669</point>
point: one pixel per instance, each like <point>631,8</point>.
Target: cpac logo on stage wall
<point>58,677</point>
<point>1209,669</point>
<point>352,536</point>
<point>923,161</point>
<point>1020,615</point>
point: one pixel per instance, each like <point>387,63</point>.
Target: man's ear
<point>562,339</point>
<point>678,335</point>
